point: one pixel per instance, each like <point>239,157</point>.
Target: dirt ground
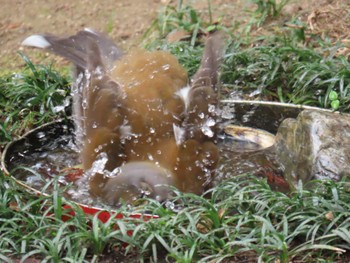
<point>127,20</point>
<point>124,20</point>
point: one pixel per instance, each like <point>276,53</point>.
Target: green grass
<point>242,218</point>
<point>182,17</point>
<point>266,9</point>
<point>279,69</point>
<point>289,73</point>
<point>37,95</point>
<point>279,66</point>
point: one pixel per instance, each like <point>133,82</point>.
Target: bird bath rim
<point>104,214</point>
<point>279,104</point>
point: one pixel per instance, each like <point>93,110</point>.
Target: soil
<point>127,20</point>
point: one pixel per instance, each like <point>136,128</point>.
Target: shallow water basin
<point>47,152</point>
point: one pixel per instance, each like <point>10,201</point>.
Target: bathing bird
<point>140,116</point>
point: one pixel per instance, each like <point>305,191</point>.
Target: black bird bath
<point>48,150</point>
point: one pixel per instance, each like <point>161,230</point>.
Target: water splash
<point>66,103</point>
<point>207,127</point>
<point>227,112</point>
<point>98,166</point>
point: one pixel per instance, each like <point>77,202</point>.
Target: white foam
<point>36,41</point>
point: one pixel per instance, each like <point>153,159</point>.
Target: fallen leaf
<point>329,216</point>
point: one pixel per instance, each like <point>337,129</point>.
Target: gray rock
<point>316,145</point>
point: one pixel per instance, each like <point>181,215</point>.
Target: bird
<point>141,114</point>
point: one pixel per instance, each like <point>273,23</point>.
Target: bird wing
<point>201,116</point>
<point>75,48</point>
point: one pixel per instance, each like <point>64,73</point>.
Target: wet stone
<point>316,145</point>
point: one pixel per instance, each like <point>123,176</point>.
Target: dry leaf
<point>329,216</point>
<point>14,206</point>
<point>177,35</point>
<point>311,19</point>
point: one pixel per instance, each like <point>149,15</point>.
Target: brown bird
<point>141,113</point>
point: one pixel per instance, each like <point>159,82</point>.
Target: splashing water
<point>99,164</point>
<point>207,127</point>
<point>227,112</point>
<point>50,161</point>
<point>62,107</point>
<point>54,150</point>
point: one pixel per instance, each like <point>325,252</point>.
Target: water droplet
<point>166,67</point>
<point>206,128</point>
<point>170,205</point>
<point>210,122</point>
<point>227,113</point>
<point>40,135</point>
<point>66,103</point>
<point>99,165</point>
<point>255,92</point>
<point>207,131</point>
<point>99,72</point>
<point>146,192</point>
<point>98,149</point>
<point>84,104</point>
<point>114,173</point>
<point>211,108</point>
<point>58,108</point>
<point>150,157</point>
